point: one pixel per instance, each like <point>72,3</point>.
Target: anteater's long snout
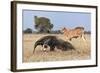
<point>35,45</point>
<point>34,49</point>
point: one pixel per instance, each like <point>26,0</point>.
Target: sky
<point>58,19</point>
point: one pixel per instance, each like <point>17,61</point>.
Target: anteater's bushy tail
<point>68,46</point>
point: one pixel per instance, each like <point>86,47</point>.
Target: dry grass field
<point>83,49</point>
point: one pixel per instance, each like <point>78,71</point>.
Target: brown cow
<point>73,33</point>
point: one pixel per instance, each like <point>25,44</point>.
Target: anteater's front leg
<point>52,48</point>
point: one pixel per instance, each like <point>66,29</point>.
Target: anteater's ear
<point>45,46</point>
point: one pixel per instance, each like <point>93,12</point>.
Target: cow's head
<point>63,30</point>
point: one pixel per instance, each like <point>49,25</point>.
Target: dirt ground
<point>82,52</point>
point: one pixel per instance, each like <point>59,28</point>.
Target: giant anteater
<point>53,42</point>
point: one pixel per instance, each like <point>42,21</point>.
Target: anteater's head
<point>36,44</point>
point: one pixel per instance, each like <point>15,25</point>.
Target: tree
<point>43,24</point>
<point>28,30</point>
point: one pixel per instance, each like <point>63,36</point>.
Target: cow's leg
<point>70,39</point>
<point>83,37</point>
<point>67,38</point>
<point>85,40</point>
